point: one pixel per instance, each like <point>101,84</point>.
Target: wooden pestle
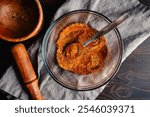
<point>26,70</point>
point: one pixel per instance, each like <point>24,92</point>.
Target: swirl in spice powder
<point>72,56</point>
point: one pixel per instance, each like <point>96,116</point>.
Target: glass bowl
<point>71,80</point>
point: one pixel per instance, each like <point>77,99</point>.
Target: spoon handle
<point>107,28</point>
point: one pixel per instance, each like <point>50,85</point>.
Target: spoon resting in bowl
<point>106,29</point>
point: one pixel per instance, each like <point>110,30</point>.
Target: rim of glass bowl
<point>46,38</point>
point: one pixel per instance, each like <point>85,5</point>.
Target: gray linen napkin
<point>133,31</point>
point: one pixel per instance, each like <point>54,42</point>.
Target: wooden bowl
<point>20,19</point>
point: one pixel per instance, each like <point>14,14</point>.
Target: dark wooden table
<point>133,78</point>
<point>131,82</point>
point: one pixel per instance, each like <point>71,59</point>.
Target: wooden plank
<point>133,79</point>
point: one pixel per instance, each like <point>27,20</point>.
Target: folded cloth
<point>133,32</point>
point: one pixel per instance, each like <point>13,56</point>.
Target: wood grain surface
<point>133,78</point>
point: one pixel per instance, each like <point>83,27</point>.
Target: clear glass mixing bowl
<point>75,81</point>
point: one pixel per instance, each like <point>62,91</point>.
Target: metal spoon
<point>106,29</point>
